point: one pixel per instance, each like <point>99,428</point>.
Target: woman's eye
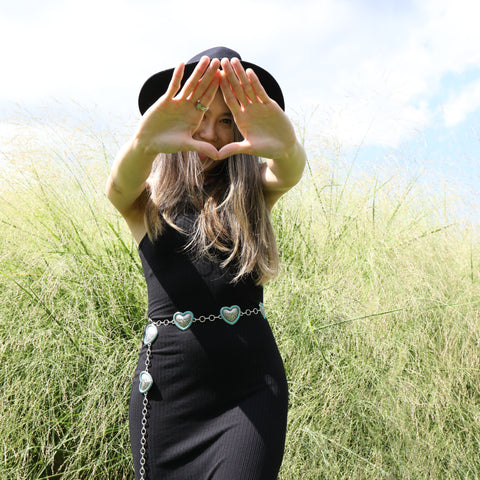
<point>226,121</point>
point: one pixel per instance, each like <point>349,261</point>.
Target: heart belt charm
<point>183,320</point>
<point>151,332</point>
<point>231,314</point>
<point>145,382</point>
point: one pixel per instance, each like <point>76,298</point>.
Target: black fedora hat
<point>157,84</point>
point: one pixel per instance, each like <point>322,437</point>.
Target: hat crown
<point>216,52</point>
<point>157,84</point>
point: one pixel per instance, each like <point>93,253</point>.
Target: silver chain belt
<point>183,321</point>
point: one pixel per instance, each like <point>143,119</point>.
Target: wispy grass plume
<point>376,314</point>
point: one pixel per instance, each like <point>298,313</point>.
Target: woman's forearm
<point>286,170</point>
<point>130,170</point>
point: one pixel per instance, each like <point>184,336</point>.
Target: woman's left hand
<point>266,130</point>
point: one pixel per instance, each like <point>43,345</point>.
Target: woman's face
<point>216,127</point>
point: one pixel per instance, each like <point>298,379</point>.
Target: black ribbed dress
<point>217,409</point>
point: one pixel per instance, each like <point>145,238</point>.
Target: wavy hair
<point>233,218</point>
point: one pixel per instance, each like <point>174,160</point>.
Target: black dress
<point>217,408</point>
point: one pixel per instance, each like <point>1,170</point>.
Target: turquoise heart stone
<point>231,314</point>
<point>145,382</point>
<point>151,332</point>
<point>262,310</point>
<point>183,320</point>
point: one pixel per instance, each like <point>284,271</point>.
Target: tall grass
<point>376,314</point>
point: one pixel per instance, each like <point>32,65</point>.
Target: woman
<point>209,395</point>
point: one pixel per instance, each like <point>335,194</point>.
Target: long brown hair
<point>233,218</point>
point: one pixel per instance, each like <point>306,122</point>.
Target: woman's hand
<point>168,125</point>
<point>266,130</point>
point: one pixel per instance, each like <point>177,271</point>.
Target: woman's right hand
<point>168,125</point>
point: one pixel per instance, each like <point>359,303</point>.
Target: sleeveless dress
<point>217,408</point>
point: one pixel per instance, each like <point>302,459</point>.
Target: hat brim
<point>157,85</point>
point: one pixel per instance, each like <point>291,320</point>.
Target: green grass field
<point>376,313</point>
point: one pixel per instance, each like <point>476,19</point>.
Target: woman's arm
<point>266,129</point>
<point>128,176</point>
<point>283,173</point>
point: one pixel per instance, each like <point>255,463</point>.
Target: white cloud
<point>457,108</point>
<point>385,82</point>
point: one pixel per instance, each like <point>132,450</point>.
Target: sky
<point>395,80</point>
